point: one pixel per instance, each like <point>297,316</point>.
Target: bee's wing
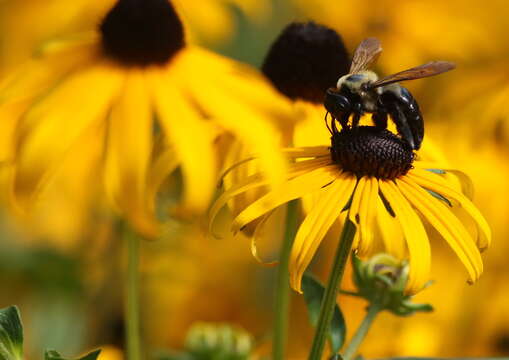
<point>425,70</point>
<point>366,54</point>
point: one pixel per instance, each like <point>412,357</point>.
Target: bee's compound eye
<point>342,103</point>
<point>336,103</point>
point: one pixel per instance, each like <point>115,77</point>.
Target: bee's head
<point>337,103</point>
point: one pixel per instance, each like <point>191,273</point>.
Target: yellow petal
<point>258,234</point>
<point>310,151</point>
<point>40,74</point>
<point>191,138</point>
<point>390,231</point>
<point>362,213</point>
<point>292,189</point>
<point>367,213</point>
<point>354,216</point>
<point>52,126</point>
<point>442,219</point>
<point>163,164</point>
<point>439,185</point>
<point>317,223</point>
<point>415,236</point>
<point>255,181</point>
<point>246,122</point>
<point>129,150</point>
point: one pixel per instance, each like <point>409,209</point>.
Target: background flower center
<point>142,32</point>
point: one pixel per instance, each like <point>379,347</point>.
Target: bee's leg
<point>404,129</point>
<point>357,113</point>
<point>380,119</point>
<point>343,120</point>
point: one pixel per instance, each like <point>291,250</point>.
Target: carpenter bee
<point>361,91</point>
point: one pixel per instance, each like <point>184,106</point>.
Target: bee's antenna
<point>327,123</point>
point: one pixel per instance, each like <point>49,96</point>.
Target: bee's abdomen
<point>397,99</point>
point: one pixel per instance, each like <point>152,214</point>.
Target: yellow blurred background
<point>65,268</point>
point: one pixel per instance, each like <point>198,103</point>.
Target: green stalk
<point>282,305</point>
<point>331,292</point>
<point>361,332</point>
<point>132,308</point>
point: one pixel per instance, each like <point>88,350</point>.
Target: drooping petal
<point>292,189</point>
<point>362,212</point>
<point>442,219</point>
<point>40,74</point>
<point>354,216</point>
<point>163,164</point>
<point>367,213</point>
<point>60,209</point>
<point>390,231</point>
<point>31,80</point>
<point>256,181</point>
<point>129,150</point>
<point>53,125</point>
<point>257,235</point>
<point>191,137</point>
<point>317,223</point>
<point>252,127</point>
<point>415,236</point>
<point>437,184</point>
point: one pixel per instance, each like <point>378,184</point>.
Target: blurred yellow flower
<point>132,103</point>
<point>26,24</point>
<point>370,176</point>
<point>419,23</point>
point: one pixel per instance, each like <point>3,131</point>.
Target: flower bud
<point>219,341</point>
<point>382,280</point>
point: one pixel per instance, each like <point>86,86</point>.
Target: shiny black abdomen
<point>398,102</point>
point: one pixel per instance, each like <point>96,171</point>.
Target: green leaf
<point>54,355</point>
<point>11,334</point>
<point>313,295</point>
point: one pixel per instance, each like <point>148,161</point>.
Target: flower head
<point>133,102</point>
<point>385,198</point>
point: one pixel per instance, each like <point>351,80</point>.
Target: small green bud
<point>382,280</point>
<point>210,341</point>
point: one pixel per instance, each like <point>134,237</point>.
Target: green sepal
<point>313,295</point>
<point>55,355</point>
<point>439,197</point>
<point>11,334</point>
<point>437,171</point>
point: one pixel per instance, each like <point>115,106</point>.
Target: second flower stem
<point>361,332</point>
<point>282,307</point>
<point>331,292</point>
<point>132,307</point>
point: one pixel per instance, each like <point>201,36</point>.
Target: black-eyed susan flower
<point>133,102</point>
<point>372,177</point>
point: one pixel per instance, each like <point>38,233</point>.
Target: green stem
<point>349,293</point>
<point>361,332</point>
<point>331,292</point>
<point>132,308</point>
<point>282,306</point>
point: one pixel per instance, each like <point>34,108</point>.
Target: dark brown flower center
<point>370,151</point>
<point>142,32</point>
<point>305,60</point>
